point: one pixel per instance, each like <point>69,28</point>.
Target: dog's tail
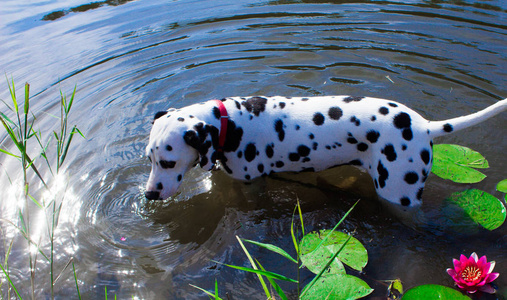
<point>439,128</point>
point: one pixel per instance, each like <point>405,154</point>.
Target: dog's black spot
<point>425,156</point>
<point>352,98</point>
<point>335,113</point>
<point>216,112</point>
<point>238,106</point>
<point>256,105</point>
<point>250,152</point>
<point>304,99</point>
<point>373,118</point>
<point>424,175</point>
<point>247,177</point>
<point>392,104</point>
<point>282,105</point>
<point>315,145</point>
<point>411,177</point>
<point>311,136</point>
<point>448,128</point>
<point>318,119</point>
<point>383,110</point>
<point>362,147</point>
<point>403,147</point>
<point>389,152</point>
<point>294,156</point>
<point>297,127</point>
<point>355,121</point>
<point>405,201</point>
<point>356,162</point>
<point>179,177</point>
<point>269,151</point>
<point>279,129</point>
<point>376,183</point>
<point>279,164</point>
<point>167,164</point>
<point>260,168</point>
<point>419,194</point>
<point>351,139</point>
<point>181,119</point>
<point>372,136</point>
<point>328,147</point>
<point>303,150</point>
<point>383,174</point>
<point>402,120</point>
<point>159,114</point>
<point>168,148</point>
<point>160,186</point>
<point>407,134</point>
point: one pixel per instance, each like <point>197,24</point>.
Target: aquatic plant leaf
<point>433,291</point>
<point>457,163</point>
<point>483,208</point>
<point>338,286</point>
<point>354,254</point>
<point>273,248</point>
<point>502,186</point>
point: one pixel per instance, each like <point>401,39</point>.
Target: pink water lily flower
<point>473,274</point>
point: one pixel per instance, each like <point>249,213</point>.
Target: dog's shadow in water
<point>229,203</point>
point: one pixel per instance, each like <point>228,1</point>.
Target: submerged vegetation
<point>336,258</point>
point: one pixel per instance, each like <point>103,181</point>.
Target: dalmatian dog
<point>256,136</point>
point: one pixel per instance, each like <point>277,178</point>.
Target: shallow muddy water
<point>130,59</point>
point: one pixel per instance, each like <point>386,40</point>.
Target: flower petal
<point>457,264</point>
<point>487,289</point>
<point>451,272</point>
<point>492,266</point>
<point>474,256</point>
<point>463,259</point>
<point>491,277</point>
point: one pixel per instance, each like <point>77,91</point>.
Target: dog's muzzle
<point>152,195</point>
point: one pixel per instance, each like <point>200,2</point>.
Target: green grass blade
<point>301,217</point>
<point>12,91</point>
<point>293,234</point>
<point>277,288</point>
<point>207,293</point>
<point>9,153</point>
<point>334,228</point>
<point>262,273</point>
<point>273,248</point>
<point>309,286</point>
<point>261,280</point>
<point>10,281</point>
<point>75,279</point>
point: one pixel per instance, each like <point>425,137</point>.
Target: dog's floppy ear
<point>197,139</point>
<point>158,115</point>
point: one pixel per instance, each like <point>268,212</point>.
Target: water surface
<point>130,59</point>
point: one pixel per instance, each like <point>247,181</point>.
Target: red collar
<point>223,125</point>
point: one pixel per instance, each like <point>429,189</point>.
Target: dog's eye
<point>165,164</point>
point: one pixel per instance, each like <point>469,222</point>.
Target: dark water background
<point>130,59</point>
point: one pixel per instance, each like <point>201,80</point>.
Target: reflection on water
<point>130,59</point>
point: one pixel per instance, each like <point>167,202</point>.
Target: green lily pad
<point>354,254</point>
<point>502,186</point>
<point>457,163</point>
<point>483,208</point>
<point>433,291</point>
<point>338,287</point>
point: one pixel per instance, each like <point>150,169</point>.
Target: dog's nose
<point>152,195</point>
